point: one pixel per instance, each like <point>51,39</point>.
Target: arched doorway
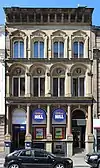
<point>78,130</point>
<point>18,129</point>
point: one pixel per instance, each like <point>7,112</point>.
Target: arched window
<point>78,82</point>
<point>58,49</point>
<point>58,82</point>
<point>18,49</point>
<point>38,48</point>
<point>78,49</point>
<point>18,82</point>
<point>38,82</point>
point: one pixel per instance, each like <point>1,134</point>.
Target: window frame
<point>19,56</point>
<point>33,48</point>
<point>78,43</point>
<point>79,84</point>
<point>59,51</point>
<point>19,95</point>
<point>39,88</point>
<point>58,78</point>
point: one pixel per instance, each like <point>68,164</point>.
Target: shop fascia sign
<point>39,115</point>
<point>59,115</point>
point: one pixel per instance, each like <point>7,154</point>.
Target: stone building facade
<point>2,86</point>
<point>96,85</point>
<point>49,72</point>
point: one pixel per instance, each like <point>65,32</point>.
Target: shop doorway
<point>18,138</point>
<point>18,129</point>
<point>78,131</point>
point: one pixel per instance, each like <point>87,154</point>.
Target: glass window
<point>58,86</point>
<point>55,86</point>
<point>22,86</point>
<point>26,153</point>
<point>58,49</point>
<point>40,153</point>
<point>39,86</point>
<point>15,86</point>
<point>78,86</point>
<point>18,86</point>
<point>38,49</point>
<point>18,49</point>
<point>35,86</point>
<point>42,86</point>
<point>78,49</point>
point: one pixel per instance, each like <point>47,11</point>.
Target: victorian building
<point>2,86</point>
<point>49,67</point>
<point>96,86</point>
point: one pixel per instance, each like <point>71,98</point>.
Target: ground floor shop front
<point>61,129</point>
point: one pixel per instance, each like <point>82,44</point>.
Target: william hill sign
<point>39,115</point>
<point>59,115</point>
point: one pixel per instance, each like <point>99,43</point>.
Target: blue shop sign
<point>39,115</point>
<point>59,115</point>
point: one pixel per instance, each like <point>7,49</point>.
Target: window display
<point>39,133</point>
<point>59,133</point>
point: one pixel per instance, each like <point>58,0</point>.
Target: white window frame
<point>79,41</point>
<point>57,41</point>
<point>38,40</point>
<point>58,85</point>
<point>18,47</point>
<point>18,85</point>
<point>39,77</point>
<point>78,85</point>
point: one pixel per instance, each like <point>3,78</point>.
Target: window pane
<point>21,49</point>
<point>75,49</point>
<point>22,86</point>
<point>61,49</point>
<point>81,49</point>
<point>15,86</point>
<point>41,50</point>
<point>55,86</point>
<point>55,49</point>
<point>62,80</point>
<point>35,49</point>
<point>35,86</point>
<point>39,153</point>
<point>15,49</point>
<point>42,86</point>
<point>75,87</point>
<point>81,80</point>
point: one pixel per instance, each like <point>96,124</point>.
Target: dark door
<point>42,160</point>
<point>76,137</point>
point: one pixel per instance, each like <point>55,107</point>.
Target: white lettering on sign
<point>38,116</point>
<point>60,116</point>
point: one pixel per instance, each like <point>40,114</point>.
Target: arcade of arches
<point>63,129</point>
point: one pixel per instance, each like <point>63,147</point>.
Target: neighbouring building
<point>2,86</point>
<point>49,75</point>
<point>96,85</point>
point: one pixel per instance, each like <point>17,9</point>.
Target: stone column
<point>88,88</point>
<point>27,84</point>
<point>28,137</point>
<point>48,133</point>
<point>7,135</point>
<point>68,85</point>
<point>49,48</point>
<point>47,84</point>
<point>69,135</point>
<point>45,47</point>
<point>89,136</point>
<point>7,85</point>
<point>25,46</point>
<point>29,47</point>
<point>66,47</point>
<point>70,48</point>
<point>86,48</point>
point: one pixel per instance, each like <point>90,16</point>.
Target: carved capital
<point>90,73</point>
<point>69,74</point>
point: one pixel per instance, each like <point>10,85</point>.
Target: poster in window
<point>58,133</point>
<point>39,133</point>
